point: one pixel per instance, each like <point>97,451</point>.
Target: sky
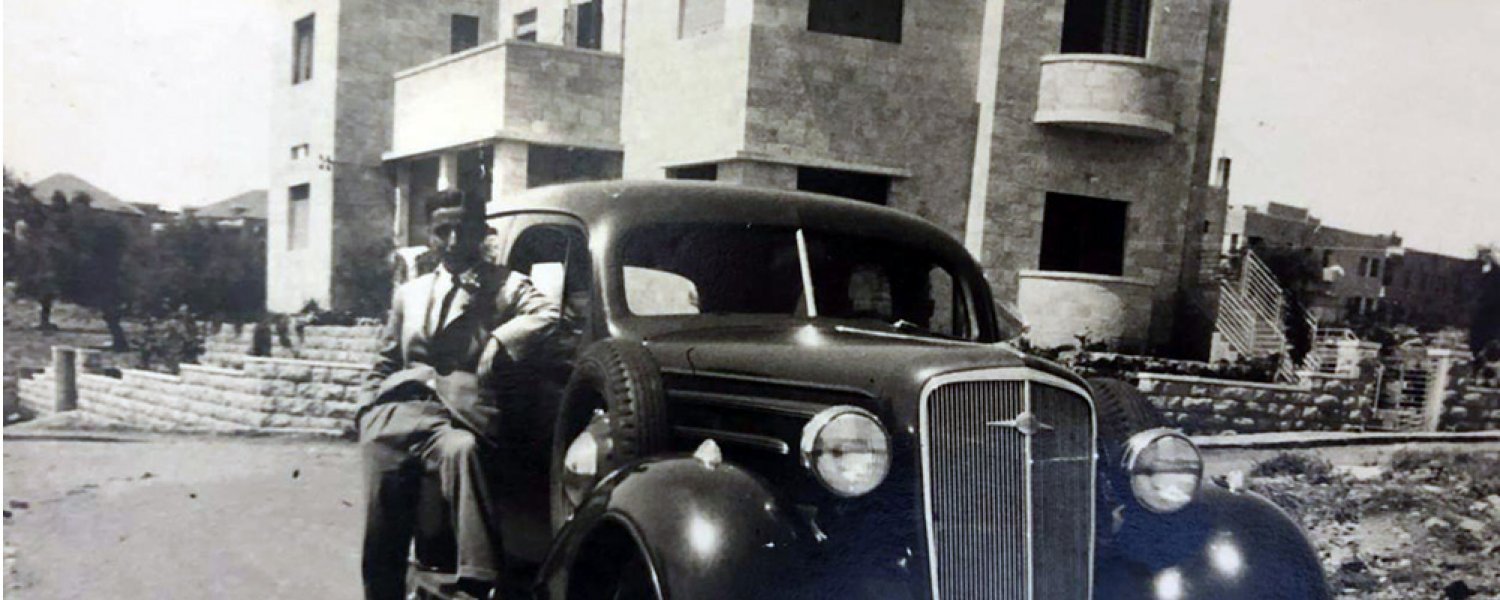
<point>162,101</point>
<point>1377,114</point>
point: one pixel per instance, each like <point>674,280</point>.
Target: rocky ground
<point>1414,524</point>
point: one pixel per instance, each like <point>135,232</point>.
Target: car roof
<point>623,205</point>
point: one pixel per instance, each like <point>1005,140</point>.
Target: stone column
<point>1437,384</point>
<point>508,170</point>
<point>65,378</point>
<point>447,178</point>
<point>401,222</point>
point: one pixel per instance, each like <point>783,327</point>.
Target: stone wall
<point>352,345</point>
<point>266,395</point>
<point>1201,406</point>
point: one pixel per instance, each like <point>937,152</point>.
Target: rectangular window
<point>1327,258</point>
<point>847,184</point>
<point>588,19</point>
<point>1364,266</point>
<point>300,151</point>
<point>463,33</point>
<point>871,19</point>
<point>297,215</point>
<point>1106,27</point>
<point>1083,235</point>
<point>525,29</point>
<point>302,49</point>
<point>546,165</point>
<point>708,172</point>
<point>697,17</point>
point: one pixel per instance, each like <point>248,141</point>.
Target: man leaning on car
<point>430,403</point>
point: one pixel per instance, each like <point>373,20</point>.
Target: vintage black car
<point>785,395</point>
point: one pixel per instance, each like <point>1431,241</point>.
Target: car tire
<point>622,379</point>
<point>1121,411</point>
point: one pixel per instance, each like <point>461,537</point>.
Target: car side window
<point>555,256</point>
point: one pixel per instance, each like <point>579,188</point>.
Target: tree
<point>98,243</point>
<point>1484,331</point>
<point>38,236</point>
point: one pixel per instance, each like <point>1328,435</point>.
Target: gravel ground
<point>1406,524</point>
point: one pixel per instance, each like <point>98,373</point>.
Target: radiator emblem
<point>1026,423</point>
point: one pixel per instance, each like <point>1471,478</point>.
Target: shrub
<point>1313,469</point>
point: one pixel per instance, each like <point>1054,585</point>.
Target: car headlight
<point>847,449</point>
<point>1165,469</point>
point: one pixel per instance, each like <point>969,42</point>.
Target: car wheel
<point>613,411</point>
<point>1122,411</point>
<point>611,566</point>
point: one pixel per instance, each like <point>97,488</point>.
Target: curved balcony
<point>1122,95</point>
<point>1059,306</point>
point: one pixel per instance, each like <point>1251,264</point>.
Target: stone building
<point>1431,291</point>
<point>1067,142</point>
<point>1356,266</point>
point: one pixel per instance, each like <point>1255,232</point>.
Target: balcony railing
<point>1122,95</point>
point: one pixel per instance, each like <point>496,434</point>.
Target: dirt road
<point>181,518</point>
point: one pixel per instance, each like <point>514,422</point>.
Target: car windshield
<point>692,269</point>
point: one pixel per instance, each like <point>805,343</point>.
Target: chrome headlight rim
<point>812,431</point>
<point>1135,449</point>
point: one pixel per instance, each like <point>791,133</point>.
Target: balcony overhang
<point>512,90</point>
<point>1121,95</point>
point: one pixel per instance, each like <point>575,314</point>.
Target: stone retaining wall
<point>1201,406</point>
<point>353,344</point>
<point>1471,408</point>
<point>268,394</point>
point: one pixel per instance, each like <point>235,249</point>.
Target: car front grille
<point>1009,515</point>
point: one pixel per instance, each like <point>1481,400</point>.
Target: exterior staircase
<point>1249,321</point>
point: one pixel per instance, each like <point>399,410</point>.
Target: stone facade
<point>970,114</point>
<point>328,132</point>
<point>1471,408</point>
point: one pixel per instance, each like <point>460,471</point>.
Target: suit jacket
<point>438,328</point>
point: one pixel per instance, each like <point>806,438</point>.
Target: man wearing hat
<point>429,405</point>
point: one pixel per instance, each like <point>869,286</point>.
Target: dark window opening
<point>1083,235</point>
<point>297,215</point>
<point>871,19</point>
<point>707,172</point>
<point>1106,27</point>
<point>474,172</point>
<point>525,29</point>
<point>846,184</point>
<point>589,28</point>
<point>546,165</point>
<point>302,50</point>
<point>699,16</point>
<point>463,33</point>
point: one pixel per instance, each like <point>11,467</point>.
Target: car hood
<point>890,368</point>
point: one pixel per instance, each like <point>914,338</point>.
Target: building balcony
<point>1060,306</point>
<point>524,91</point>
<point>1122,95</point>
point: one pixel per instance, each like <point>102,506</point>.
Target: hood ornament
<point>1026,423</point>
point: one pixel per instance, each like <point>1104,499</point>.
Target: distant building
<point>1067,142</point>
<point>1432,291</point>
<point>1354,264</point>
<point>245,212</point>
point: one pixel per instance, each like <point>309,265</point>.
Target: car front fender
<point>707,530</point>
<point>1226,545</point>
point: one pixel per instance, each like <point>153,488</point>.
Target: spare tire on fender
<point>620,380</point>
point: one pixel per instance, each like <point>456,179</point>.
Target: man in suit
<point>431,402</point>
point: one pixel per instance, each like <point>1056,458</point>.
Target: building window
<point>848,184</point>
<point>708,172</point>
<point>1106,27</point>
<point>546,165</point>
<point>1364,266</point>
<point>699,16</point>
<point>1083,235</point>
<point>302,49</point>
<point>297,215</point>
<point>871,19</point>
<point>300,151</point>
<point>463,33</point>
<point>588,19</point>
<point>525,29</point>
